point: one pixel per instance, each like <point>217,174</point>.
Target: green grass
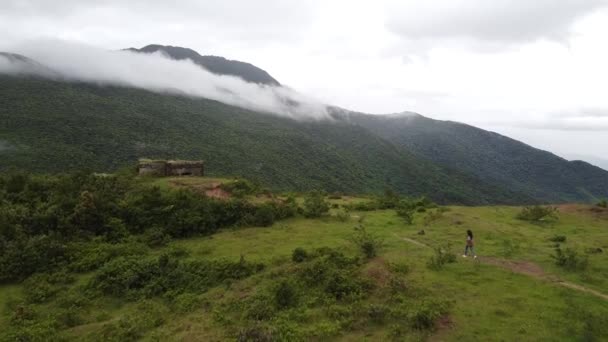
<point>489,303</point>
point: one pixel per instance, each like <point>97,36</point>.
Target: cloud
<point>588,113</point>
<point>155,72</point>
<point>262,22</point>
<point>487,24</point>
<point>589,124</point>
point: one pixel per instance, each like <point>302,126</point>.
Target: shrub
<point>335,196</point>
<point>260,308</point>
<point>299,255</point>
<point>538,213</point>
<point>135,278</point>
<point>603,204</point>
<point>558,238</point>
<point>315,205</point>
<point>342,216</point>
<point>362,206</point>
<point>377,313</point>
<point>570,260</point>
<point>593,250</point>
<point>407,214</point>
<point>186,302</point>
<point>156,237</point>
<point>285,295</point>
<point>368,243</point>
<point>342,285</point>
<point>42,287</point>
<point>133,326</point>
<point>432,216</point>
<point>240,188</point>
<point>256,333</point>
<point>389,200</point>
<point>264,215</point>
<point>424,314</point>
<point>442,256</point>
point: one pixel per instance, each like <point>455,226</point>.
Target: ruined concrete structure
<point>147,167</point>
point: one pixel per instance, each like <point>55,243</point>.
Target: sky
<point>533,70</point>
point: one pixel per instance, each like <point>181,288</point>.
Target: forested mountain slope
<point>58,126</point>
<point>490,156</point>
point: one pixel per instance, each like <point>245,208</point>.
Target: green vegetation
<point>504,162</point>
<point>50,126</point>
<point>115,257</point>
<point>603,204</point>
<point>538,213</point>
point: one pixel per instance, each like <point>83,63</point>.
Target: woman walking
<point>469,245</point>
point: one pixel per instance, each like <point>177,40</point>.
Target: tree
<point>315,205</point>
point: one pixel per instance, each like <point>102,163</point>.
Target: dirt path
<point>524,267</point>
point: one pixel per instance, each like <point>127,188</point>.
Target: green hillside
<point>91,257</point>
<point>55,126</point>
<point>492,157</point>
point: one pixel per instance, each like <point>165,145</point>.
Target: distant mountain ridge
<point>51,125</point>
<point>214,64</point>
<point>492,157</point>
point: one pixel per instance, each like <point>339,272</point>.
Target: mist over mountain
<point>215,64</point>
<point>160,72</point>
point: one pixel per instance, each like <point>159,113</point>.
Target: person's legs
<point>473,252</point>
<point>466,250</point>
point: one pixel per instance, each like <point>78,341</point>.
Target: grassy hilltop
<point>157,260</point>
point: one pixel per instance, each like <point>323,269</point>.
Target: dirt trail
<point>524,267</point>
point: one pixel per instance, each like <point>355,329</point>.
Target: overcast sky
<point>533,70</point>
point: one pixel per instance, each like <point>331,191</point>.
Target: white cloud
<point>158,73</point>
<point>496,23</point>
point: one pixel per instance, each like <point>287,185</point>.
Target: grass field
<point>514,291</point>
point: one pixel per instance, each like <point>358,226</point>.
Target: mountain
<point>59,126</point>
<point>599,162</point>
<point>50,125</point>
<point>214,64</point>
<point>492,157</point>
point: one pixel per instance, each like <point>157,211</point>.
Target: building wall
<point>152,169</point>
<point>184,170</point>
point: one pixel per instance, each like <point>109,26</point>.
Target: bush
<point>603,204</point>
<point>133,326</point>
<point>570,259</point>
<point>389,200</point>
<point>432,216</point>
<point>424,315</point>
<point>368,243</point>
<point>342,216</point>
<point>285,295</point>
<point>156,237</point>
<point>256,333</point>
<point>362,206</point>
<point>538,213</point>
<point>240,188</point>
<point>315,205</point>
<point>135,278</point>
<point>299,255</point>
<point>558,238</point>
<point>442,256</point>
<point>377,313</point>
<point>407,214</point>
<point>186,302</point>
<point>264,216</point>
<point>335,196</point>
